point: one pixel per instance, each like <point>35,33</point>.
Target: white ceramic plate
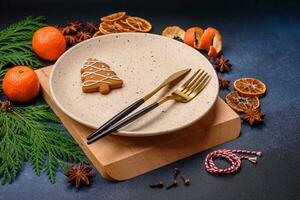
<point>142,61</point>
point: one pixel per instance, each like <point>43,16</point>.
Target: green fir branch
<point>24,136</point>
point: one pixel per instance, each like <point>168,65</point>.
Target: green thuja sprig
<point>24,136</point>
<point>15,42</point>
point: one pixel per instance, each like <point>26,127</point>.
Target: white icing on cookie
<point>104,77</point>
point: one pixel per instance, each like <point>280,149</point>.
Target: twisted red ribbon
<point>233,158</point>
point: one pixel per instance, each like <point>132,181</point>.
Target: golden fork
<point>189,90</point>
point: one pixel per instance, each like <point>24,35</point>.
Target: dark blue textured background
<point>262,40</point>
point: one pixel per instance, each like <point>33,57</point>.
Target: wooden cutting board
<point>121,158</point>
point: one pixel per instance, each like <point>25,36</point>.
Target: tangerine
<point>48,43</point>
<point>21,84</point>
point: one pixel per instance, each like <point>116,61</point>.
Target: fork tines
<point>196,83</point>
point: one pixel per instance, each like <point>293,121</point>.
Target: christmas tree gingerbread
<point>97,76</point>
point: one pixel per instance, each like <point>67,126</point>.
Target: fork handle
<point>117,117</point>
<point>124,122</point>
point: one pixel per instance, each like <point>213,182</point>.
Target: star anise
<point>253,116</point>
<point>69,30</point>
<point>72,28</point>
<point>223,84</point>
<point>91,27</point>
<point>71,39</point>
<point>78,174</point>
<point>75,23</point>
<point>81,36</point>
<point>222,64</point>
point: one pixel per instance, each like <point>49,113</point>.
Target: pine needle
<point>24,136</point>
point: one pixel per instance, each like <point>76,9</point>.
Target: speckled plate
<point>142,61</point>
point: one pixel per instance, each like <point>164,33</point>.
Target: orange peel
<point>212,52</point>
<point>207,37</point>
<point>192,36</point>
<point>211,41</point>
<point>217,42</point>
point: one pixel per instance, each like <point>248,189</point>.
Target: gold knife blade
<point>172,78</point>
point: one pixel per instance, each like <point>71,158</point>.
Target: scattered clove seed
<point>160,184</point>
<point>173,184</point>
<point>175,171</point>
<point>186,180</point>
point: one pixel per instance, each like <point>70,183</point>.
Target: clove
<point>175,171</point>
<point>160,184</point>
<point>185,180</point>
<point>173,184</point>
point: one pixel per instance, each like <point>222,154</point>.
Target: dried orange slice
<point>122,25</point>
<point>139,24</point>
<point>113,17</point>
<point>241,103</point>
<point>250,87</point>
<point>107,28</point>
<point>173,32</point>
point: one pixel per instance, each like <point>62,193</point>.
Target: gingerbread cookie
<point>97,76</point>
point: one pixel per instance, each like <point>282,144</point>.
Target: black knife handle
<point>124,122</point>
<point>117,118</point>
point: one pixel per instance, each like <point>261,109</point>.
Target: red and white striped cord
<point>233,158</point>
